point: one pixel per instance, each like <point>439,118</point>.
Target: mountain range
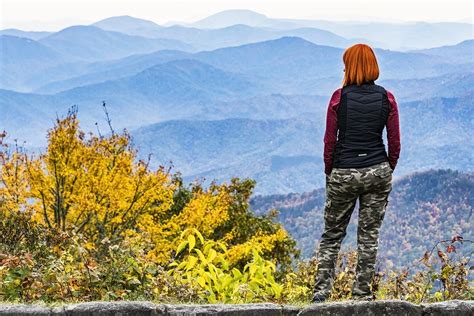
<point>399,36</point>
<point>238,93</point>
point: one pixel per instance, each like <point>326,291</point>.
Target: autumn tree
<point>94,185</point>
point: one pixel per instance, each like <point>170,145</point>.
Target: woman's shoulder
<point>390,94</point>
<point>390,97</point>
<point>335,97</point>
<point>337,91</point>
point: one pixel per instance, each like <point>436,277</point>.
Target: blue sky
<point>55,14</point>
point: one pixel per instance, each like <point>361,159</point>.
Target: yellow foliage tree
<point>94,186</point>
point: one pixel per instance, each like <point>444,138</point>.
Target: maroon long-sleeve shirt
<point>330,136</point>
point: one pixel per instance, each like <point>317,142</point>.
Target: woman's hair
<point>360,65</point>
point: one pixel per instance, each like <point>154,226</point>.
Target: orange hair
<point>360,65</point>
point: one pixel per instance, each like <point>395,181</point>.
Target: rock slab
<point>126,308</point>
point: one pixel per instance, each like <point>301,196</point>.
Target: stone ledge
<point>129,308</point>
<point>364,308</point>
<point>449,308</point>
<point>264,309</point>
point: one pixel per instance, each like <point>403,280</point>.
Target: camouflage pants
<point>371,185</point>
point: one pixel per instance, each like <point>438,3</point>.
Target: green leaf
<point>252,269</point>
<point>207,247</point>
<point>236,273</point>
<point>277,288</point>
<point>212,255</point>
<point>199,235</point>
<point>184,233</point>
<point>223,247</point>
<point>181,247</point>
<point>201,256</point>
<point>201,281</point>
<point>192,242</point>
<point>212,298</point>
<point>191,262</point>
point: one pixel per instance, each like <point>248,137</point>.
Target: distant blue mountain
<point>26,117</point>
<point>92,43</point>
<point>398,36</point>
<point>19,49</point>
<point>237,147</point>
<point>34,35</point>
<point>126,24</point>
<point>69,53</point>
<point>453,85</point>
<point>293,62</point>
<point>78,44</point>
<point>262,107</point>
<point>286,56</point>
<point>401,36</point>
<point>111,70</point>
<point>208,39</point>
<point>406,65</point>
<point>287,65</point>
<point>286,62</point>
<point>231,17</point>
<point>175,82</point>
<point>177,89</point>
<point>460,53</point>
<point>21,58</point>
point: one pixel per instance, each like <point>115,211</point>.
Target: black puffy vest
<point>362,115</point>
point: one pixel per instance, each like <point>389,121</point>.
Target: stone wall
<point>457,308</point>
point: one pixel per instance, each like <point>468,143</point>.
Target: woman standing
<point>357,167</point>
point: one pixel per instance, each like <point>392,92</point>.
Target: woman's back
<point>362,115</point>
<point>357,116</point>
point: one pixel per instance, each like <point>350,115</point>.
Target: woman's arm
<point>330,136</point>
<point>393,131</point>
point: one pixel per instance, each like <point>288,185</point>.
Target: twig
<point>109,121</point>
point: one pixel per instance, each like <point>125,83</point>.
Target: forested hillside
<point>423,208</point>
